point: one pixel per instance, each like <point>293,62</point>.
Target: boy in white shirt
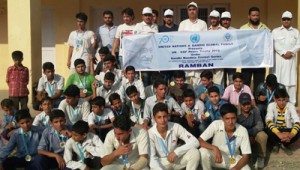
<point>101,118</point>
<point>42,119</point>
<point>126,147</point>
<point>165,154</point>
<point>87,146</point>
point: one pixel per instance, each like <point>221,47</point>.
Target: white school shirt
<point>197,111</point>
<point>175,132</point>
<point>117,73</point>
<point>143,28</point>
<point>92,147</point>
<point>216,130</point>
<point>42,120</point>
<point>101,91</point>
<point>94,119</point>
<point>137,83</point>
<point>57,84</point>
<point>83,107</point>
<point>138,138</point>
<point>83,51</point>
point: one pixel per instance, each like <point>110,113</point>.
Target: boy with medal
<point>117,106</point>
<point>82,79</point>
<point>73,106</point>
<point>127,147</point>
<point>87,147</point>
<point>25,139</point>
<point>81,43</point>
<point>52,143</point>
<point>228,139</point>
<point>101,118</point>
<point>136,105</point>
<point>42,119</point>
<point>8,120</point>
<point>165,152</point>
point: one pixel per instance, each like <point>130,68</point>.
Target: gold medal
<point>62,144</point>
<point>77,49</point>
<point>231,160</point>
<point>124,167</point>
<point>206,114</point>
<point>28,158</point>
<point>188,112</point>
<point>172,83</point>
<point>84,90</point>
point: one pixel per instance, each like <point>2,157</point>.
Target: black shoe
<point>276,148</point>
<point>287,150</point>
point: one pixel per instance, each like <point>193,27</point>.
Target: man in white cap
<point>145,27</point>
<point>286,45</point>
<point>226,20</point>
<point>193,23</point>
<point>226,23</point>
<point>168,25</point>
<point>214,18</point>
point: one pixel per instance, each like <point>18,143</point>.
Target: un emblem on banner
<point>164,39</point>
<point>195,38</point>
<point>227,37</point>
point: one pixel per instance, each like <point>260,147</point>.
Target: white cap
<point>214,13</point>
<point>168,12</point>
<point>147,10</point>
<point>192,4</point>
<point>226,14</point>
<point>287,14</point>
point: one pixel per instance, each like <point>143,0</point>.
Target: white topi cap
<point>168,12</point>
<point>226,14</point>
<point>192,4</point>
<point>214,13</point>
<point>147,10</point>
<point>287,14</point>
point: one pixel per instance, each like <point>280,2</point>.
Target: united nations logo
<point>227,37</point>
<point>195,38</point>
<point>164,39</point>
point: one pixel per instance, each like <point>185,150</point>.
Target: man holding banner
<point>259,74</point>
<point>193,24</point>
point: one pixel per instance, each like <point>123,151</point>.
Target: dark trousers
<point>12,163</point>
<point>259,75</point>
<point>20,100</point>
<point>42,162</point>
<point>274,140</point>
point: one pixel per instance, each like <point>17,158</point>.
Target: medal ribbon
<point>82,83</point>
<point>60,136</point>
<point>81,154</point>
<point>79,40</point>
<point>13,117</point>
<point>124,159</point>
<point>25,141</point>
<point>231,149</point>
<point>74,114</point>
<point>119,113</point>
<point>163,146</point>
<point>270,97</point>
<point>50,88</point>
<point>136,114</point>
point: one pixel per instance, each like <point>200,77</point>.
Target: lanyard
<point>45,121</point>
<point>152,90</point>
<point>13,117</point>
<point>82,83</point>
<point>119,113</point>
<point>60,136</point>
<point>79,40</point>
<point>231,149</point>
<point>50,88</point>
<point>25,141</point>
<point>124,159</point>
<point>74,114</point>
<point>136,114</point>
<point>81,154</point>
<point>270,97</point>
<point>163,146</point>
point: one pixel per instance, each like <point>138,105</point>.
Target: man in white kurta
<point>193,24</point>
<point>286,44</point>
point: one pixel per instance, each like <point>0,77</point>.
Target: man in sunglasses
<point>286,45</point>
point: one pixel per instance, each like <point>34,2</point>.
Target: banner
<point>199,50</point>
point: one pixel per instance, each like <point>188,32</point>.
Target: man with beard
<point>258,73</point>
<point>106,33</point>
<point>196,25</point>
<point>145,27</point>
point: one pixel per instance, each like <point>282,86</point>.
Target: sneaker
<point>276,148</point>
<point>260,162</point>
<point>287,150</point>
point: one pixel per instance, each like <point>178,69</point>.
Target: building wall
<point>64,18</point>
